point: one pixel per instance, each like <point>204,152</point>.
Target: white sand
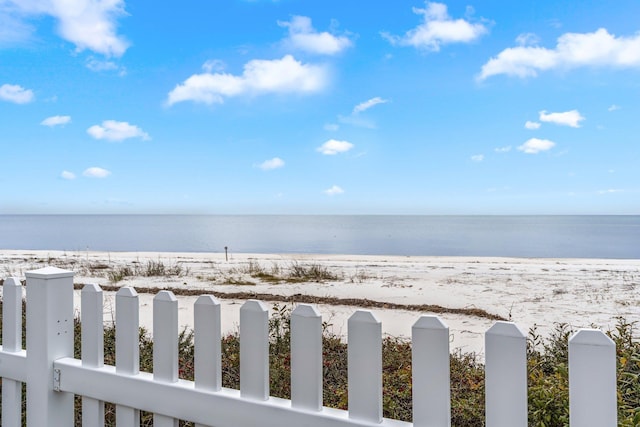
<point>542,292</point>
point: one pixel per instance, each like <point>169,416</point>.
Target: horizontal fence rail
<point>52,375</point>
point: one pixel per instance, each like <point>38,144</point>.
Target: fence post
<point>11,342</point>
<point>364,361</point>
<point>306,358</point>
<point>430,369</point>
<point>592,380</point>
<point>506,376</point>
<point>49,337</point>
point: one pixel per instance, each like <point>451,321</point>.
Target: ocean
<point>512,236</point>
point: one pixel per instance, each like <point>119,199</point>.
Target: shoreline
<point>531,292</point>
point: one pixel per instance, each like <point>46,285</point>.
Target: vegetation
<point>150,269</point>
<point>293,273</point>
<point>547,373</point>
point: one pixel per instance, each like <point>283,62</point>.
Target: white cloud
<point>67,175</point>
<point>610,191</point>
<point>357,120</point>
<point>96,172</point>
<point>98,65</point>
<point>368,104</point>
<point>438,29</point>
<point>503,149</point>
<point>332,127</point>
<point>532,125</point>
<point>259,76</point>
<point>477,158</point>
<point>573,50</point>
<point>13,30</point>
<point>334,190</point>
<point>333,146</point>
<point>527,39</point>
<point>271,164</point>
<point>214,65</point>
<point>56,121</point>
<point>614,107</point>
<point>568,118</point>
<point>535,146</point>
<point>112,130</point>
<point>303,36</point>
<point>16,94</point>
<point>89,24</point>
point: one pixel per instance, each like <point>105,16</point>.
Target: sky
<point>332,107</point>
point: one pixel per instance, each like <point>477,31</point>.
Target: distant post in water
<point>226,257</point>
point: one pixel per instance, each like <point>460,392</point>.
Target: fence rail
<point>53,376</point>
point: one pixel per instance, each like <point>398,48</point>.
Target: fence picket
<point>430,370</point>
<point>11,343</point>
<point>364,360</point>
<point>92,348</point>
<point>505,376</point>
<point>254,350</point>
<point>306,358</point>
<point>127,348</point>
<point>207,351</point>
<point>592,380</point>
<point>165,346</point>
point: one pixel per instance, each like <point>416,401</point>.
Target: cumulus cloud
<point>88,24</point>
<point>67,175</point>
<point>332,147</point>
<point>573,50</point>
<point>477,158</point>
<point>286,75</point>
<point>368,104</point>
<point>271,164</point>
<point>535,146</point>
<point>438,29</point>
<point>112,130</point>
<point>16,94</point>
<point>568,118</point>
<point>304,37</point>
<point>614,107</point>
<point>532,125</point>
<point>56,121</point>
<point>96,172</point>
<point>334,190</point>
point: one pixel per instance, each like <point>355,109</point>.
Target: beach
<point>468,293</point>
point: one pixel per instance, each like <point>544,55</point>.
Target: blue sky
<point>333,107</point>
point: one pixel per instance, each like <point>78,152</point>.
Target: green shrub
<point>548,395</point>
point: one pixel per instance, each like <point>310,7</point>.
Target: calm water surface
<point>517,236</point>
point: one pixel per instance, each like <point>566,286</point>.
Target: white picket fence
<point>53,376</point>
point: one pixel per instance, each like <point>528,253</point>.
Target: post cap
<point>48,273</point>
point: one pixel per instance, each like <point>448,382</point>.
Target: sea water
<point>513,236</point>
